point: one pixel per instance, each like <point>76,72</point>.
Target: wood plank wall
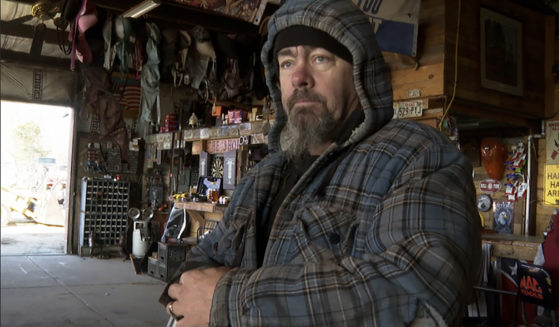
<point>432,72</point>
<point>427,73</point>
<point>544,211</point>
<point>538,100</point>
<point>535,26</point>
<point>480,174</point>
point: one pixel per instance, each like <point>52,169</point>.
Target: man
<point>353,219</point>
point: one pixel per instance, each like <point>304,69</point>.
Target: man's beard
<point>301,135</point>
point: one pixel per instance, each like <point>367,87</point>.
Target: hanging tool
<point>176,185</point>
<point>171,175</point>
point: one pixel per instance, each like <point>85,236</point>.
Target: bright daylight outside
<point>35,150</point>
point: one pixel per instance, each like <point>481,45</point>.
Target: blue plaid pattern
<point>378,231</point>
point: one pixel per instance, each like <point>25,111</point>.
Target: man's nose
<point>302,76</point>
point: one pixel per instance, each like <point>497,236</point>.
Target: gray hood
<point>345,22</point>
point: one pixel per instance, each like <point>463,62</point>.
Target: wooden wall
<point>432,72</point>
<point>426,73</point>
<point>544,211</point>
<point>519,205</point>
<point>556,78</point>
<point>470,96</point>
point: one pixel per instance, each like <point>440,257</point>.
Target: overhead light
<point>141,9</point>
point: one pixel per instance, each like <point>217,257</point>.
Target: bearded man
<point>353,219</point>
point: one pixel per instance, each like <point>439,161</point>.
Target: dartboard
<point>217,167</point>
<point>484,202</point>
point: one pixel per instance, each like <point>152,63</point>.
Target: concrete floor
<point>32,239</point>
<point>42,288</point>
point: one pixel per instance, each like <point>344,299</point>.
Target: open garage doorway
<point>36,148</point>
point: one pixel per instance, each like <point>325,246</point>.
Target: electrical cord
<point>64,46</point>
<point>447,109</point>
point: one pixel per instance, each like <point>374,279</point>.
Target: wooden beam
<point>183,15</point>
<point>476,109</point>
<point>548,57</point>
<point>27,31</point>
<point>177,14</point>
<point>22,57</point>
<point>513,246</point>
<point>29,2</point>
<point>538,6</point>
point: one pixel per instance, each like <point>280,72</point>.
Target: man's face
<point>315,84</point>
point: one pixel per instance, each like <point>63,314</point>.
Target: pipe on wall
<point>531,137</point>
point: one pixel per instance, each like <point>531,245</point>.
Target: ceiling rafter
<point>183,15</point>
<point>179,15</point>
<point>14,56</point>
<point>27,31</point>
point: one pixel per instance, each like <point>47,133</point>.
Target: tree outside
<point>28,147</point>
<point>35,147</point>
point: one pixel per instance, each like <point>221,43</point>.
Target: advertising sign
<point>395,23</point>
<point>551,190</point>
<point>552,142</point>
<point>489,186</point>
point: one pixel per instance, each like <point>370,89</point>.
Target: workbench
<point>513,246</point>
<point>201,211</point>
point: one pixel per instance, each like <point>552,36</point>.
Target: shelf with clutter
<point>257,129</point>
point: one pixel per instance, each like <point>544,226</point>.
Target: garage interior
<point>130,167</point>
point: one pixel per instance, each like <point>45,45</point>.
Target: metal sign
<point>408,109</point>
<point>43,160</point>
<point>552,142</point>
<point>489,186</point>
<point>551,191</point>
<point>395,23</point>
<point>203,165</point>
<point>229,169</point>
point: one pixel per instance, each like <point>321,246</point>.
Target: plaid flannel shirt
<point>393,233</point>
<point>381,230</point>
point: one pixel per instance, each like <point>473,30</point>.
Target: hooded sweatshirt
<point>349,26</point>
<point>381,229</point>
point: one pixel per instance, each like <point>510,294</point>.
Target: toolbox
<point>169,259</point>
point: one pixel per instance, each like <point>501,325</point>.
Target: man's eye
<point>321,59</point>
<point>285,64</point>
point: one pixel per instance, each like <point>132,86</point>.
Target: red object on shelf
<point>171,122</point>
<point>236,116</point>
<point>493,156</point>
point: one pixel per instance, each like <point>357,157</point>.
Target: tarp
<point>395,23</point>
<point>25,83</point>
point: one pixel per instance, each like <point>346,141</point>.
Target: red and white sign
<point>489,186</point>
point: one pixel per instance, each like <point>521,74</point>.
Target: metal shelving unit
<point>104,211</point>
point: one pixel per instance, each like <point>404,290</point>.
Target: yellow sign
<point>551,190</point>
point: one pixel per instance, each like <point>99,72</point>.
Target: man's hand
<point>193,295</point>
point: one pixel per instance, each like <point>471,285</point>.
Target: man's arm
<point>422,247</point>
<point>204,255</point>
<point>194,294</point>
<point>199,257</point>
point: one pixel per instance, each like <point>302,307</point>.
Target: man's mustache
<point>304,95</point>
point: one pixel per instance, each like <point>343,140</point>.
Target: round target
<point>484,202</point>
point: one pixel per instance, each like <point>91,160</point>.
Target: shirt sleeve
<point>204,255</point>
